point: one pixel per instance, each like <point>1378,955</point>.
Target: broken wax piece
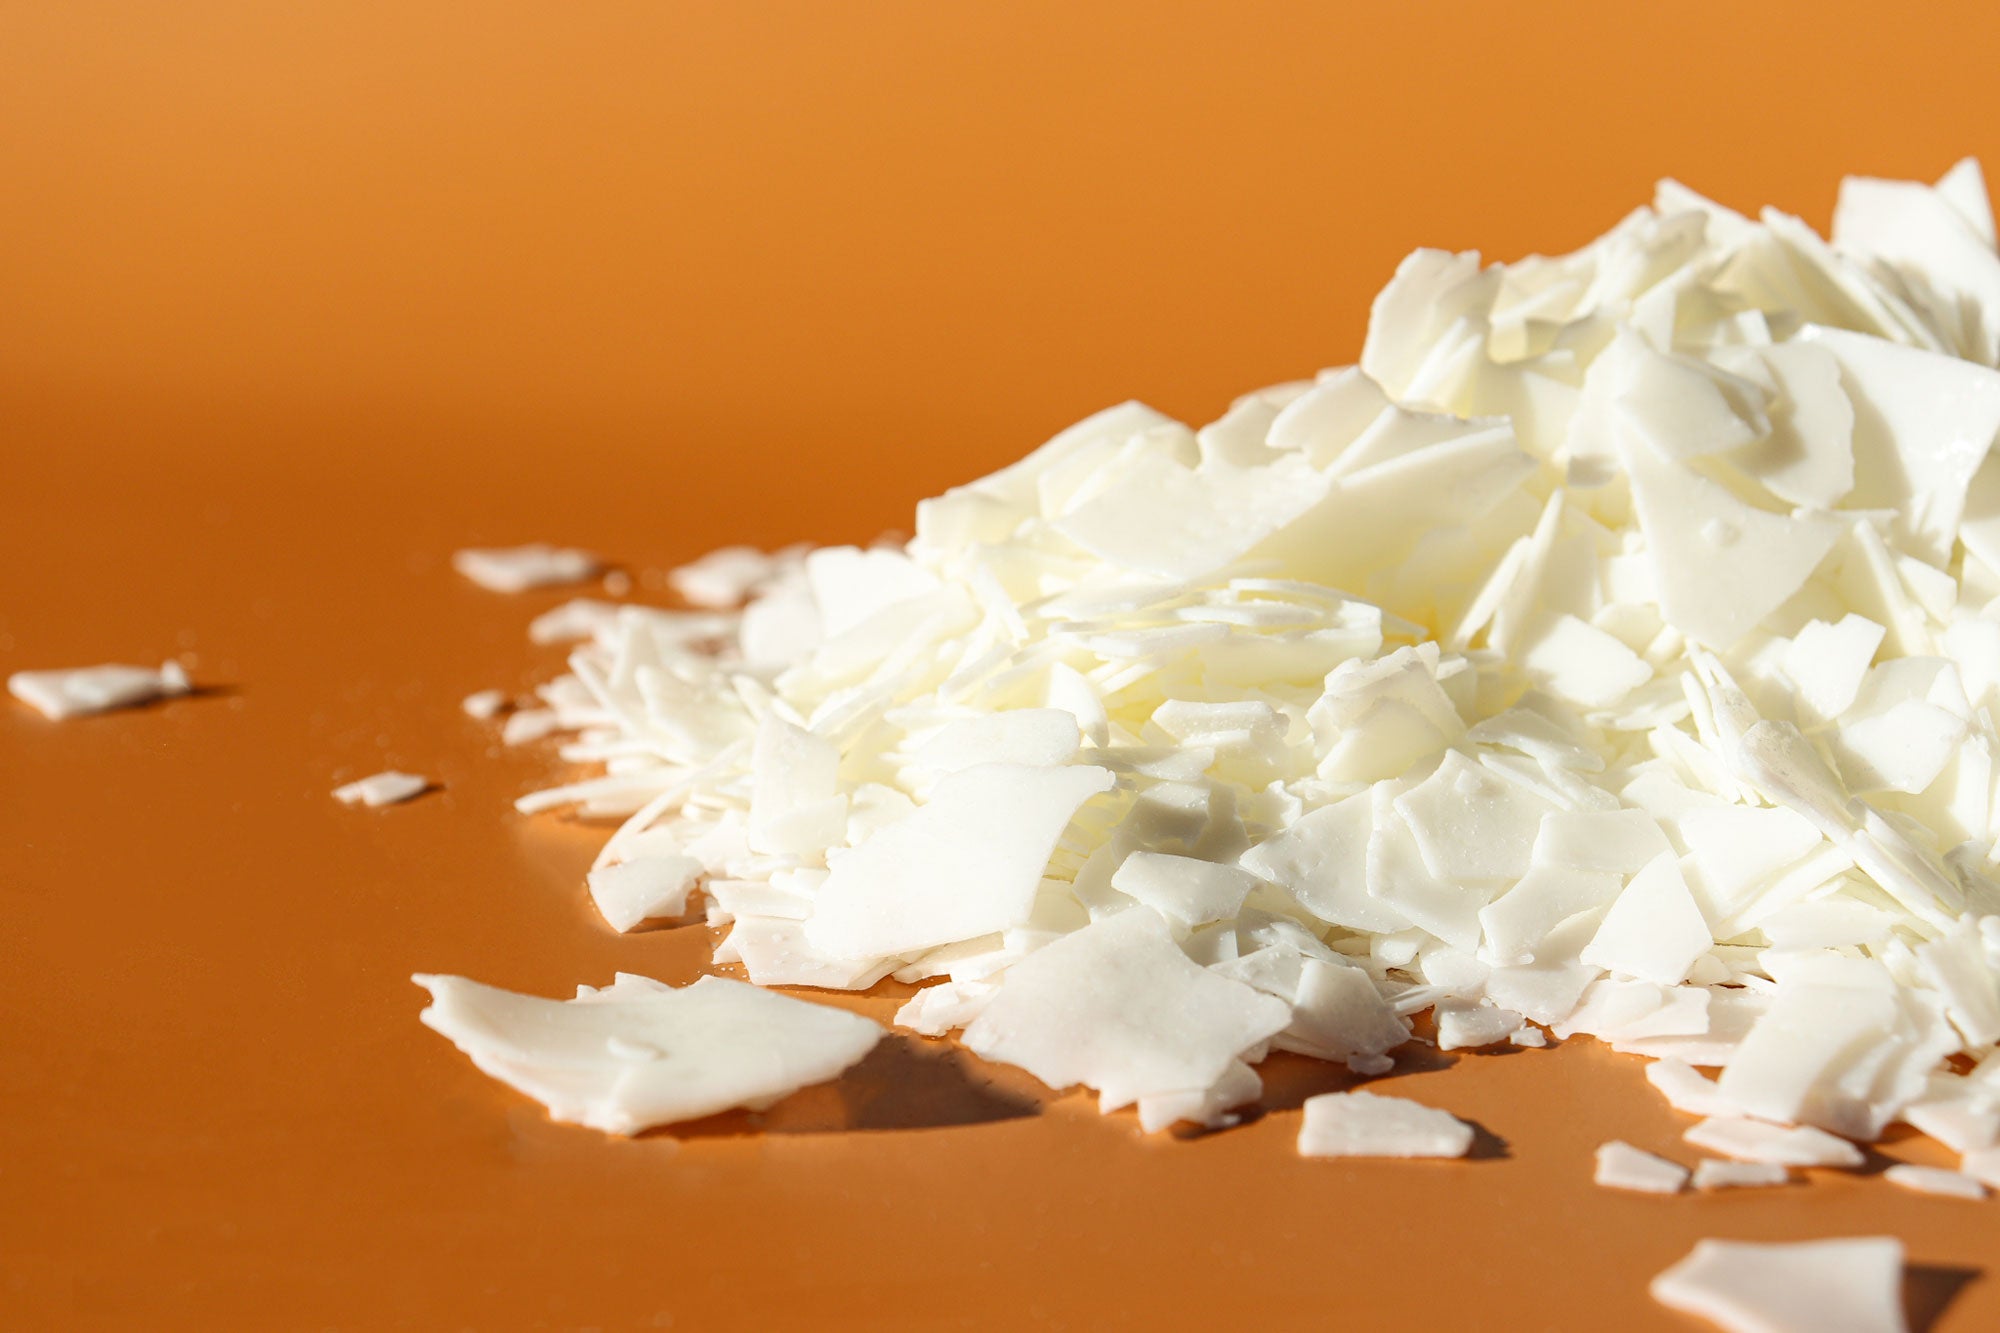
<point>1364,1124</point>
<point>1118,1007</point>
<point>523,568</point>
<point>1620,1166</point>
<point>1816,1286</point>
<point>637,1053</point>
<point>388,788</point>
<point>80,691</point>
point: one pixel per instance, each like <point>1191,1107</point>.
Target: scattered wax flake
<point>1923,423</point>
<point>1184,889</point>
<point>1321,859</point>
<point>1578,662</point>
<point>1212,1107</point>
<point>725,578</point>
<point>1720,565</point>
<point>1686,1089</point>
<point>390,788</point>
<point>1935,1180</point>
<point>1790,1066</point>
<point>1939,242</point>
<point>1613,841</point>
<point>1167,519</point>
<point>1817,1286</point>
<point>1653,931</point>
<point>1528,1036</point>
<point>521,568</point>
<point>1037,737</point>
<point>484,704</point>
<point>1755,1141</point>
<point>1983,1166</point>
<point>1737,848</point>
<point>1472,824</point>
<point>578,618</point>
<point>1363,1124</point>
<point>636,1055</point>
<point>1965,1124</point>
<point>529,725</point>
<point>987,832</point>
<point>1807,458</point>
<point>1117,1006</point>
<point>1712,1173</point>
<point>1470,1026</point>
<point>642,888</point>
<point>1517,923</point>
<point>939,1009</point>
<point>795,805</point>
<point>1620,1166</point>
<point>81,691</point>
<point>1337,1014</point>
<point>850,585</point>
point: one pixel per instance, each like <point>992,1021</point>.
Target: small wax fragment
<point>642,888</point>
<point>1467,1027</point>
<point>1363,1124</point>
<point>1816,1286</point>
<point>1620,1166</point>
<point>726,577</point>
<point>1184,889</point>
<point>1712,1173</point>
<point>529,725</point>
<point>521,568</point>
<point>1935,1180</point>
<point>81,691</point>
<point>578,618</point>
<point>484,704</point>
<point>1755,1141</point>
<point>638,1053</point>
<point>1982,1165</point>
<point>390,788</point>
<point>1119,1007</point>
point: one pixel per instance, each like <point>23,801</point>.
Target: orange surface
<point>296,299</point>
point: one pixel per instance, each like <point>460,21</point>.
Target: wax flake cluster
<point>1614,651</point>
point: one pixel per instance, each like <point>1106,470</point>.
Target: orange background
<point>296,299</point>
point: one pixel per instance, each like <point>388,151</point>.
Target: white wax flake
<point>796,807</point>
<point>1756,1141</point>
<point>1719,564</point>
<point>1686,1089</point>
<point>1576,661</point>
<point>389,788</point>
<point>523,568</point>
<point>484,704</point>
<point>1620,1166</point>
<point>1653,931</point>
<point>638,1054</point>
<point>1363,1124</point>
<point>1184,889</point>
<point>578,618</point>
<point>1470,1026</point>
<point>1815,1286</point>
<point>1321,859</point>
<point>80,691</point>
<point>1472,824</point>
<point>529,725</point>
<point>965,864</point>
<point>1118,1007</point>
<point>1934,1180</point>
<point>642,888</point>
<point>726,577</point>
<point>1712,1173</point>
